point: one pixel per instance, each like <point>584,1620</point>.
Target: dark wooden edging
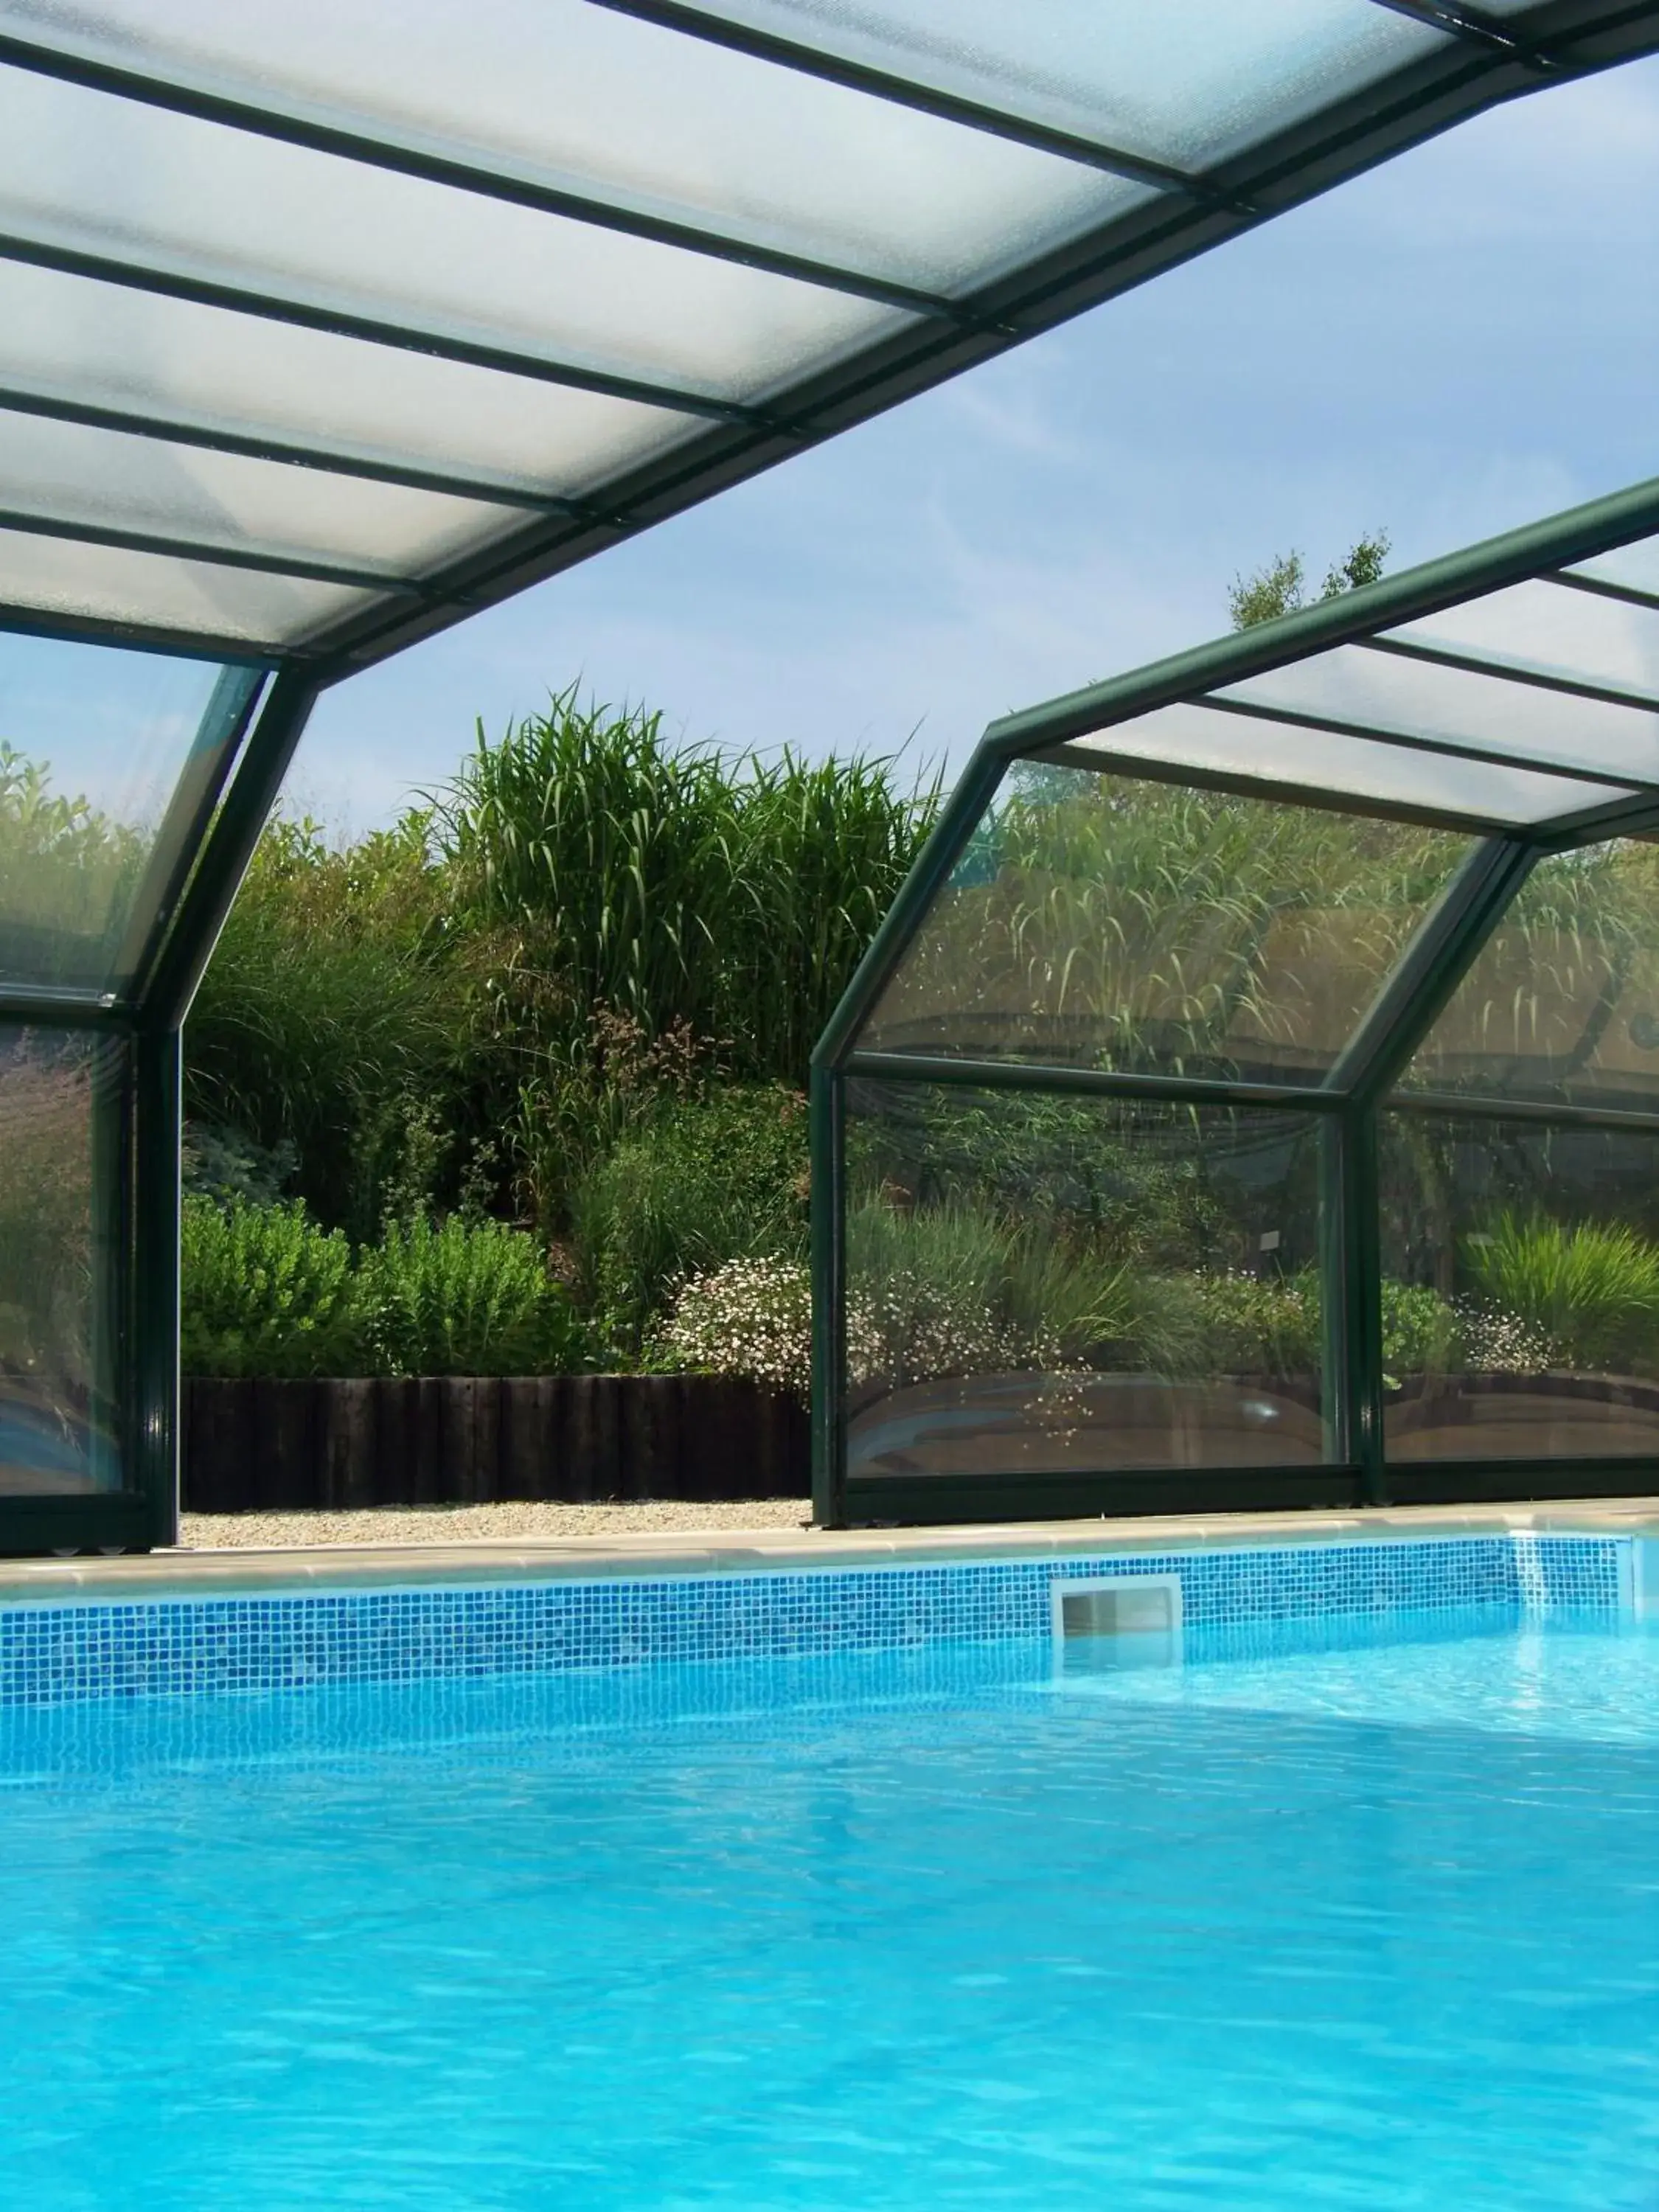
<point>261,1444</point>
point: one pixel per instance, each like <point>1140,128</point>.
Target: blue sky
<point>1463,340</point>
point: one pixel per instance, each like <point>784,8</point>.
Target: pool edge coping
<point>230,1571</point>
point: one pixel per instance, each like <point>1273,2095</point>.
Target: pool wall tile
<point>183,1647</point>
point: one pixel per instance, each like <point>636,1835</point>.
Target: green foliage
<point>332,1009</point>
<point>611,871</point>
<point>1279,589</point>
<point>705,1181</point>
<point>70,874</point>
<point>470,1297</point>
<point>267,1292</point>
<point>1591,1288</point>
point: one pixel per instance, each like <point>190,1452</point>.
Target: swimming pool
<point>1348,1910</point>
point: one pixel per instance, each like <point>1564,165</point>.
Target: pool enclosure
<point>320,331</point>
<point>1253,1098</point>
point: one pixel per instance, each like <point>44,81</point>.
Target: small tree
<point>1280,587</point>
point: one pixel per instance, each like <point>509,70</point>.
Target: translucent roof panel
<point>457,297</point>
<point>1385,693</point>
<point>87,171</point>
<point>74,341</point>
<point>1189,82</point>
<point>1209,741</point>
<point>106,758</point>
<point>1562,1002</point>
<point>720,138</point>
<point>1103,921</point>
<point>1544,627</point>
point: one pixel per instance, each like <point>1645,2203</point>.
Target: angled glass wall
<point>1253,1099</point>
<point>114,765</point>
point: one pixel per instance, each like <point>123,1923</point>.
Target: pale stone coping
<point>231,1571</point>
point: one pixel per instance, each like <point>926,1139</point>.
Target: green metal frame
<point>1360,1083</point>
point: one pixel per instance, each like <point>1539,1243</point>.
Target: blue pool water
<point>1367,1926</point>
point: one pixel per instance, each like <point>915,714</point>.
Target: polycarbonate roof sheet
<point>1519,708</point>
<point>320,326</point>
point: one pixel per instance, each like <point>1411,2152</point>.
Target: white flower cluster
<point>753,1318</point>
<point>750,1317</point>
<point>1498,1342</point>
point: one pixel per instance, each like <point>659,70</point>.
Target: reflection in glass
<point>95,742</point>
<point>1562,1002</point>
<point>1105,921</point>
<point>1040,1284</point>
<point>59,1213</point>
<point>1520,1290</point>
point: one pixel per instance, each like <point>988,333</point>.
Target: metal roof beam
<point>294,126</point>
<point>1478,28</point>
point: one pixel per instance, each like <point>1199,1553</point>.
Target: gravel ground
<point>474,1524</point>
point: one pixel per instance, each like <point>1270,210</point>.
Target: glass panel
<point>1520,1290</point>
<point>1102,922</point>
<point>1563,1001</point>
<point>96,743</point>
<point>1187,81</point>
<point>60,1095</point>
<point>1559,632</point>
<point>71,474</point>
<point>117,347</point>
<point>1419,699</point>
<point>198,599</point>
<point>1349,767</point>
<point>670,125</point>
<point>106,175</point>
<point>1635,565</point>
<point>1041,1285</point>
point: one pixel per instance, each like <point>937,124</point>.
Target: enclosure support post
<point>829,1299</point>
<point>1336,1243</point>
<point>1362,1322</point>
<point>153,1280</point>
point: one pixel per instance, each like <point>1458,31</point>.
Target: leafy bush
<point>333,1005</point>
<point>1591,1289</point>
<point>750,1317</point>
<point>471,1298</point>
<point>267,1292</point>
<point>708,1180</point>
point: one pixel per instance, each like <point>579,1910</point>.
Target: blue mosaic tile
<point>183,1647</point>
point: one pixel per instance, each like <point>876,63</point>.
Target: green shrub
<point>471,1298</point>
<point>1591,1289</point>
<point>706,1181</point>
<point>1422,1334</point>
<point>267,1292</point>
<point>334,1002</point>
